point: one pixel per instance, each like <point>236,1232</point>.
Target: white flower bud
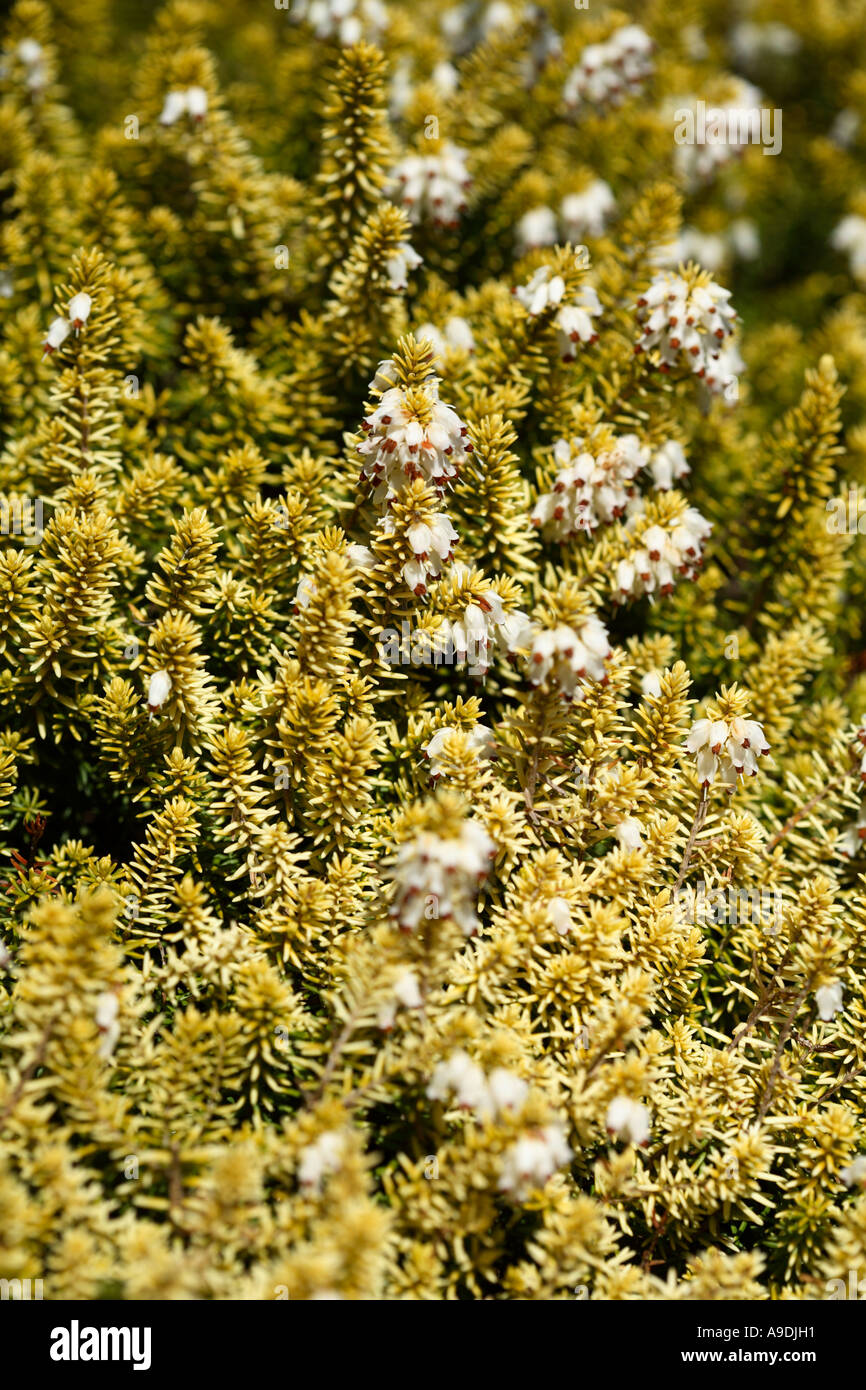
<point>79,309</point>
<point>196,102</point>
<point>628,1120</point>
<point>305,591</point>
<point>628,833</point>
<point>57,334</point>
<point>855,1172</point>
<point>829,1001</point>
<point>321,1158</point>
<point>30,52</point>
<point>105,1017</point>
<point>174,107</point>
<point>559,913</point>
<point>158,690</point>
<point>361,556</point>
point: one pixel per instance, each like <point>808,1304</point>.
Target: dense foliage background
<point>382,515</point>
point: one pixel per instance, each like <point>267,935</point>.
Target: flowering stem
<point>777,1059</point>
<point>29,1069</point>
<point>700,817</point>
<point>804,810</point>
<point>333,1057</point>
<point>849,1076</point>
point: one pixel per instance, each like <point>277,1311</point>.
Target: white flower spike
<point>412,435</point>
<point>587,213</point>
<point>592,487</point>
<point>536,228</point>
<point>432,187</point>
<point>478,740</point>
<point>573,319</point>
<point>609,72</point>
<point>568,655</point>
<point>661,554</point>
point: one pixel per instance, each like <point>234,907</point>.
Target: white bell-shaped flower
<point>58,331</point>
<point>628,1120</point>
<point>159,689</point>
<point>829,1001</point>
<point>79,309</point>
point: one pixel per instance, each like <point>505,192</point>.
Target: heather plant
<point>432,703</point>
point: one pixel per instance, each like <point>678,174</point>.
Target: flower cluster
<point>668,465</point>
<point>588,212</point>
<point>413,442</point>
<point>573,320</point>
<point>751,42</point>
<point>533,1159</point>
<point>536,228</point>
<point>479,623</point>
<point>411,434</point>
<point>488,1097</point>
<point>190,102</point>
<point>443,76</point>
<point>568,655</point>
<point>59,329</point>
<point>660,554</point>
<point>609,72</point>
<point>727,747</point>
<point>593,484</point>
<point>713,250</point>
<point>686,319</point>
<point>32,55</point>
<point>432,187</point>
<point>727,136</point>
<point>348,21</point>
<point>479,740</point>
<point>432,539</point>
<point>454,336</point>
<point>438,878</point>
